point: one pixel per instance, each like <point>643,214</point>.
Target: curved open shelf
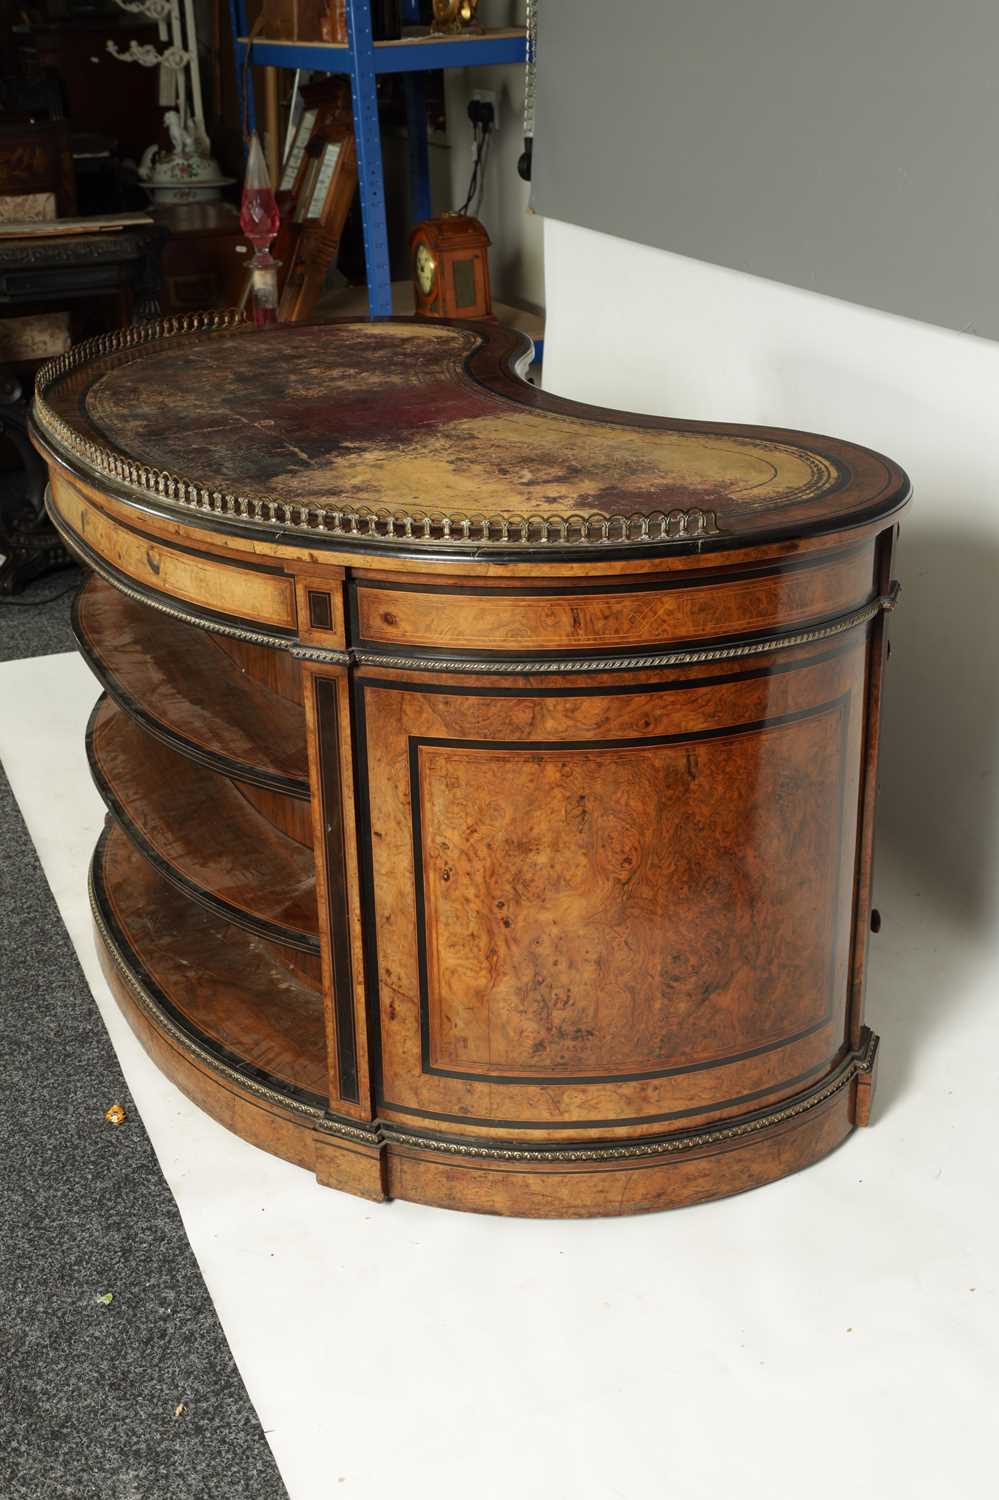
<point>226,993</point>
<point>183,688</point>
<point>201,834</point>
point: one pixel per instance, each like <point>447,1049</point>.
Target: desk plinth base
<point>380,1160</point>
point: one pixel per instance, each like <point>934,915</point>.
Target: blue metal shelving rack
<point>363,59</point>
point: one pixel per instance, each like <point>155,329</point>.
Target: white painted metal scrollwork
<point>176,56</point>
<point>156,10</point>
<point>147,55</point>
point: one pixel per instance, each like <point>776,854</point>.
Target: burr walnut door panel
<point>612,903</point>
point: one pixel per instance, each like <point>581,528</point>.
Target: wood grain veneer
<point>247,591</point>
<point>491,778</point>
<point>677,608</point>
<point>272,669</point>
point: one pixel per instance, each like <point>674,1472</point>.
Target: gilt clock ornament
<point>450,258</point>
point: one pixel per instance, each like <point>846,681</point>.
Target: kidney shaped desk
<point>490,778</point>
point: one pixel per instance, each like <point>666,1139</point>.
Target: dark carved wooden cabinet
<point>491,778</point>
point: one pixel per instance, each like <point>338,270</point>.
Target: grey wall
<point>848,146</point>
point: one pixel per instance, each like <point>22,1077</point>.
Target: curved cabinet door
<point>621,903</point>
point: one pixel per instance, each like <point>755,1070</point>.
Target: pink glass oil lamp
<point>259,220</point>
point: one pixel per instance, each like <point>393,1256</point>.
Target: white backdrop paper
<point>836,1331</point>
<point>849,148</point>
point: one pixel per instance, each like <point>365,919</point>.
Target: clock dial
<point>426,270</point>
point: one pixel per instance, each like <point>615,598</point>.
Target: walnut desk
<point>491,778</point>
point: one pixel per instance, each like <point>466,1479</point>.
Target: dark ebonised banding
<point>328,730</point>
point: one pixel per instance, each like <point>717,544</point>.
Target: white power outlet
<point>489,96</point>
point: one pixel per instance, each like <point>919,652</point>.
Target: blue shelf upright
<point>362,59</point>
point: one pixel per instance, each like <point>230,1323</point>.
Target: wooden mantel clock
<point>490,777</point>
<point>450,258</point>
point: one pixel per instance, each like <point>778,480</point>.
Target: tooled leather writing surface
<point>409,416</point>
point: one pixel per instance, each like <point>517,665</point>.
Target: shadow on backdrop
<point>939,793</point>
<point>938,812</point>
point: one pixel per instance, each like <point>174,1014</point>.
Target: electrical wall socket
<point>489,96</point>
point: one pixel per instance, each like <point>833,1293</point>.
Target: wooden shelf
<point>186,690</point>
<point>202,834</point>
<point>406,54</point>
<point>230,992</point>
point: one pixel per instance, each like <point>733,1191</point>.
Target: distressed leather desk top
<point>412,433</point>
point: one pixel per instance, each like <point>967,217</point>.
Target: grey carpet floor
<point>90,1389</point>
<point>35,622</point>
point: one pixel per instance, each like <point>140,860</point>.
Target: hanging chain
<point>529,67</point>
